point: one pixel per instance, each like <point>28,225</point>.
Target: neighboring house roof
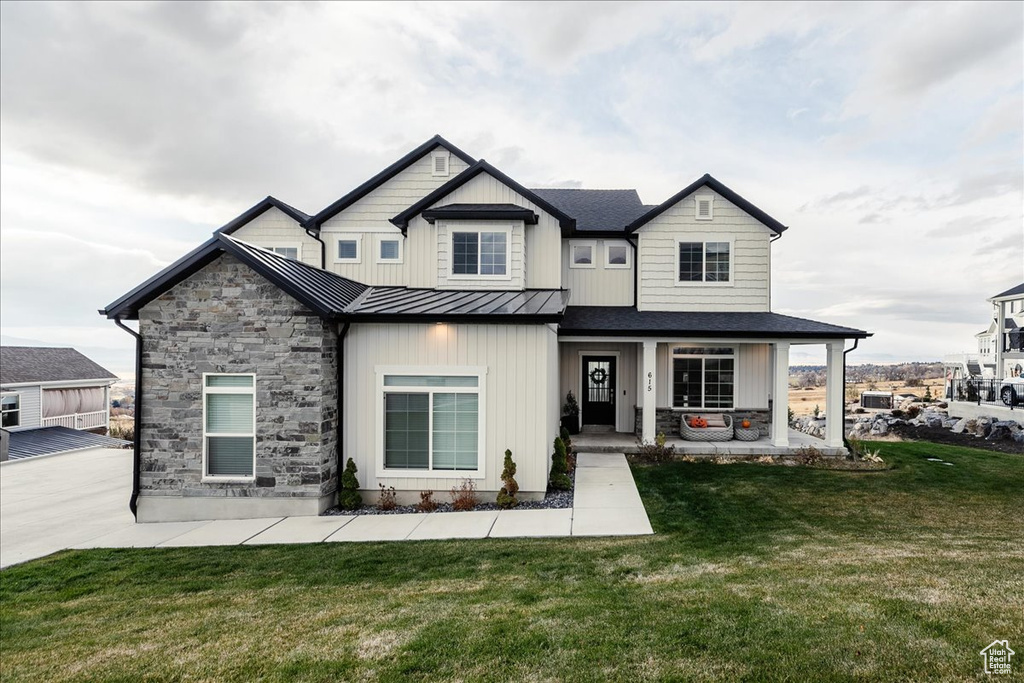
<point>387,174</point>
<point>334,297</point>
<point>482,211</point>
<point>627,321</point>
<point>260,208</point>
<point>49,440</point>
<point>708,181</point>
<point>567,222</point>
<point>22,364</point>
<point>1013,291</point>
<point>597,210</point>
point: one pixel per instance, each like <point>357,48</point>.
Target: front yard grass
<point>758,572</point>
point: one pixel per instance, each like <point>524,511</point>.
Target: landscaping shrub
<point>560,467</point>
<point>808,455</point>
<point>570,452</point>
<point>464,497</point>
<point>507,495</point>
<point>427,502</point>
<point>388,499</point>
<point>348,496</point>
<point>122,430</point>
<point>913,411</point>
<point>655,452</point>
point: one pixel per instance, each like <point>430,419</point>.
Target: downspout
<point>341,402</point>
<point>323,248</point>
<point>133,502</point>
<point>636,271</point>
<point>846,442</point>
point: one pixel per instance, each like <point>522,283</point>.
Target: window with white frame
<point>704,206</point>
<point>439,163</point>
<point>10,410</point>
<point>229,426</point>
<point>389,249</point>
<point>480,253</point>
<point>287,252</point>
<point>703,377</point>
<point>348,249</point>
<point>707,262</point>
<point>581,254</point>
<point>616,254</point>
<point>432,422</point>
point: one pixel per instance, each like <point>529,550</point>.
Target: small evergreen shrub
<point>560,468</point>
<point>348,496</point>
<point>427,502</point>
<point>388,499</point>
<point>507,495</point>
<point>464,497</point>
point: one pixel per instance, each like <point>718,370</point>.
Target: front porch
<point>618,442</point>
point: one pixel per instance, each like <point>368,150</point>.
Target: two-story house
<point>438,314</point>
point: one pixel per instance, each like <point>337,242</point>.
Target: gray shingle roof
<point>20,364</point>
<point>1013,291</point>
<point>627,321</point>
<point>597,210</point>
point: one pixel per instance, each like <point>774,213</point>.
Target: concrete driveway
<point>51,503</point>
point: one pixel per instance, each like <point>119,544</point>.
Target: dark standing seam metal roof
<point>391,171</point>
<point>495,212</point>
<point>20,364</point>
<point>707,181</point>
<point>51,440</point>
<point>567,222</point>
<point>386,303</point>
<point>597,210</point>
<point>627,321</point>
<point>1013,291</point>
<point>259,209</point>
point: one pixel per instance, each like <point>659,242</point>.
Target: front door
<point>599,390</point>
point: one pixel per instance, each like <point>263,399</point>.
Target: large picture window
<point>703,377</point>
<point>229,426</point>
<point>705,262</point>
<point>432,423</point>
<point>480,253</point>
<point>10,410</point>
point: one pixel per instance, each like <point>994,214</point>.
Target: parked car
<point>1011,391</point>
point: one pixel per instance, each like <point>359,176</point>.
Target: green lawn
<point>757,571</point>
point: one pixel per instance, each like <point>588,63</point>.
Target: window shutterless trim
<point>480,372</point>
<point>479,230</point>
<point>592,244</point>
<point>16,409</point>
<point>703,357</point>
<point>378,238</point>
<point>349,237</point>
<point>608,244</point>
<point>296,247</point>
<point>233,478</point>
<point>704,262</point>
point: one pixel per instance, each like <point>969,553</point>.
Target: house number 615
<point>650,377</point>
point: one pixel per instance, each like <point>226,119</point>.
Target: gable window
<point>480,253</point>
<point>348,250</point>
<point>432,423</point>
<point>705,207</point>
<point>229,427</point>
<point>581,254</point>
<point>389,249</point>
<point>616,255</point>
<point>704,262</point>
<point>703,377</point>
<point>439,164</point>
<point>10,410</point>
<point>287,252</point>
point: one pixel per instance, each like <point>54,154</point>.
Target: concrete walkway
<point>46,518</point>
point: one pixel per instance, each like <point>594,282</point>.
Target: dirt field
<point>802,401</point>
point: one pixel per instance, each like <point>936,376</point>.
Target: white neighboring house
<point>52,387</point>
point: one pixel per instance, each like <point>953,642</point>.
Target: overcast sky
<point>889,137</point>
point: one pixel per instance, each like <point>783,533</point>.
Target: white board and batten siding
<point>275,228</point>
<point>369,217</point>
<point>749,289</point>
<point>600,285</point>
<point>520,400</point>
<point>626,381</point>
<point>31,407</point>
<point>752,372</point>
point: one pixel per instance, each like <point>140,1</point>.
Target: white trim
<point>480,372</point>
<point>446,156</point>
<point>390,237</point>
<point>232,479</point>
<point>19,410</point>
<point>617,243</point>
<point>477,228</point>
<point>349,237</point>
<point>672,356</point>
<point>696,341</point>
<point>296,247</point>
<point>704,261</point>
<point>583,243</point>
<point>710,199</point>
<point>579,380</point>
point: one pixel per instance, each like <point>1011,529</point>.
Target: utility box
<point>878,400</point>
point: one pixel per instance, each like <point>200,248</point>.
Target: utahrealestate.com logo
<point>997,657</point>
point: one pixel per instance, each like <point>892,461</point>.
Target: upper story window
<point>704,205</point>
<point>704,262</point>
<point>287,252</point>
<point>439,163</point>
<point>348,249</point>
<point>229,427</point>
<point>389,249</point>
<point>480,254</point>
<point>616,255</point>
<point>10,410</point>
<point>582,254</point>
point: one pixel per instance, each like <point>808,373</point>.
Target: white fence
<point>78,420</point>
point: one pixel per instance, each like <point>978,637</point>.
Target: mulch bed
<point>944,436</point>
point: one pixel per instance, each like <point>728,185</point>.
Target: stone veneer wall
<point>227,318</point>
<point>667,419</point>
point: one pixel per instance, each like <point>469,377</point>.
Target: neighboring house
<point>439,314</point>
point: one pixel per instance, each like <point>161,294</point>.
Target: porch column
<point>1000,336</point>
<point>780,395</point>
<point>649,392</point>
<point>834,398</point>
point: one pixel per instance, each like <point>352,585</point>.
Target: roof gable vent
<point>705,207</point>
<point>439,164</point>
